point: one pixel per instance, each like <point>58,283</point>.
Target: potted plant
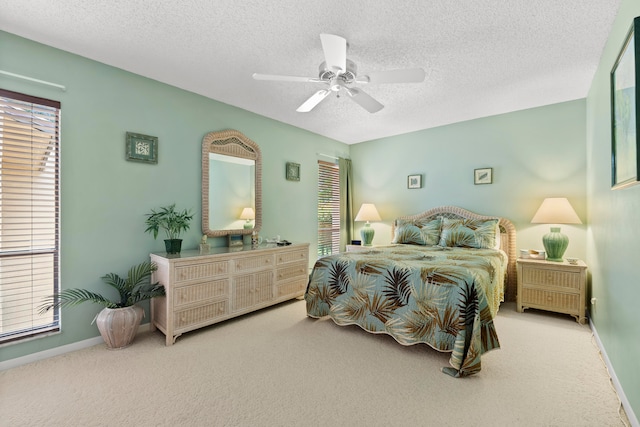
<point>119,319</point>
<point>173,222</point>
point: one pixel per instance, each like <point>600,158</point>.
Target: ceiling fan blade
<point>364,100</point>
<point>278,78</point>
<point>315,99</point>
<point>410,75</point>
<point>335,52</point>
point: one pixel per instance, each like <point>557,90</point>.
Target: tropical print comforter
<point>441,296</point>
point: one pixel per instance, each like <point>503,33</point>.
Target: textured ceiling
<point>481,57</point>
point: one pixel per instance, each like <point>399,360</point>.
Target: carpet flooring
<point>276,367</point>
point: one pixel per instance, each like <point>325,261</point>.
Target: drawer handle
<point>549,298</point>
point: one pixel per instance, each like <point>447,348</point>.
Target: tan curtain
<point>346,203</point>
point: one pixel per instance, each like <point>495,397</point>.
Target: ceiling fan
<point>340,75</point>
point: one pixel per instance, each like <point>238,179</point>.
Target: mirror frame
<point>231,143</point>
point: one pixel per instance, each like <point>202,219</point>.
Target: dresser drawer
<point>565,280</point>
<point>253,263</point>
<point>549,300</point>
<point>190,294</point>
<point>183,319</point>
<point>291,287</point>
<point>299,270</point>
<point>201,270</point>
<point>292,256</point>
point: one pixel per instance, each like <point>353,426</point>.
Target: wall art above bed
<point>414,181</point>
<point>483,176</point>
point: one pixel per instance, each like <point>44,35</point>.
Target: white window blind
<point>29,213</point>
<point>328,208</point>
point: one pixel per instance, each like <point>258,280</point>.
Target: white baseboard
<point>57,351</point>
<point>614,378</point>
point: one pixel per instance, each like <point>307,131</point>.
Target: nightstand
<point>552,286</point>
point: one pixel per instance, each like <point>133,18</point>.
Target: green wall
<point>534,154</point>
<point>104,197</point>
<point>613,237</point>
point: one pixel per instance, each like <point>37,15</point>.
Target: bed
<point>440,282</point>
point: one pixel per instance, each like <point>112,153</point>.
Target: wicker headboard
<point>507,238</point>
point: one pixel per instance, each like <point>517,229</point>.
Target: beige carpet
<point>279,368</point>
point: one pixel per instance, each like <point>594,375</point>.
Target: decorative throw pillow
<point>469,233</point>
<point>417,232</point>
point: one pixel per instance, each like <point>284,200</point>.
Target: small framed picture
<point>293,171</point>
<point>142,148</point>
<point>236,240</point>
<point>414,181</point>
<point>483,176</point>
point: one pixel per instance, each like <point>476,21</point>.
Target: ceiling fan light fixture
<point>340,73</point>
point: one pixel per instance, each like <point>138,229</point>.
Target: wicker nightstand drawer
<point>549,300</point>
<point>568,280</point>
<point>552,286</point>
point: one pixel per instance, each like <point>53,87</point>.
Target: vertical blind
<point>328,208</point>
<point>29,213</point>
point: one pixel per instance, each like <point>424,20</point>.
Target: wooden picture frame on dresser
<point>553,286</point>
<point>203,289</point>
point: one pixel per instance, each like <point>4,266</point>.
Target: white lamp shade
<point>247,213</point>
<point>556,210</point>
<point>368,212</point>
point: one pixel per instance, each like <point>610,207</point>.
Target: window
<point>29,213</point>
<point>328,208</point>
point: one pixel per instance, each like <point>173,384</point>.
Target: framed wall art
<point>414,181</point>
<point>293,171</point>
<point>625,112</point>
<point>141,148</point>
<point>483,176</point>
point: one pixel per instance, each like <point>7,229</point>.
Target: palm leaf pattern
<point>398,286</point>
<point>338,277</point>
<point>444,297</point>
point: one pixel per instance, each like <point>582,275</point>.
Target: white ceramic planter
<point>118,326</point>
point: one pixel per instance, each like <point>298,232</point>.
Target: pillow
<point>469,233</point>
<point>417,232</point>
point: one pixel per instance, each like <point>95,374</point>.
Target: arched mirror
<point>231,183</point>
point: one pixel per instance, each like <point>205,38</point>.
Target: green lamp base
<point>367,234</point>
<point>555,243</point>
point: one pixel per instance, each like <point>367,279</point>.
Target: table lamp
<point>248,214</point>
<point>555,210</point>
<point>367,212</point>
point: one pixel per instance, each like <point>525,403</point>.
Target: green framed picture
<point>141,148</point>
<point>293,171</point>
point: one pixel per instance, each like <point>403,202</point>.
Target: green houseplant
<point>119,319</point>
<point>173,222</point>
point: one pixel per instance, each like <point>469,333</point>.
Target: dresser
<point>553,286</point>
<point>205,288</point>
